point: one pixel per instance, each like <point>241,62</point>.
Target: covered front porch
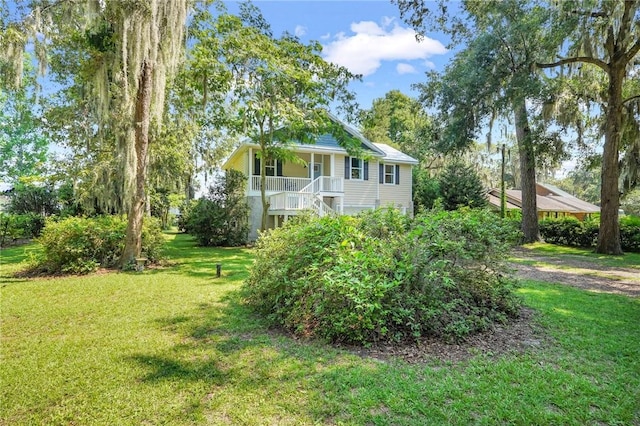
<point>313,172</point>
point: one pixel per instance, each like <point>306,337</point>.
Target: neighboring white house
<point>326,180</point>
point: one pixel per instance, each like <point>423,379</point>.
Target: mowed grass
<point>176,346</point>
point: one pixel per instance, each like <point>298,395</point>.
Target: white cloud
<point>326,36</point>
<point>429,64</point>
<point>387,20</point>
<point>403,68</point>
<point>300,31</point>
<point>363,51</point>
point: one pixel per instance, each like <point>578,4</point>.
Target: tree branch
<point>625,22</point>
<point>576,59</point>
<point>633,51</point>
<point>632,98</point>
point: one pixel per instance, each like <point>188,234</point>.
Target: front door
<point>317,170</point>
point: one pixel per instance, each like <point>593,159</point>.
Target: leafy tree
<point>460,186</point>
<point>490,77</point>
<point>604,34</point>
<point>631,202</point>
<point>273,90</point>
<point>400,121</point>
<point>23,147</point>
<point>127,51</point>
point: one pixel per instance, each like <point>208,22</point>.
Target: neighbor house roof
<point>548,198</point>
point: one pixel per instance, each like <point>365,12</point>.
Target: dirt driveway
<point>577,271</point>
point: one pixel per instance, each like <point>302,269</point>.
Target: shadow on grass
<point>247,368</point>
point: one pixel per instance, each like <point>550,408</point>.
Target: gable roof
<point>394,156</point>
<point>327,142</point>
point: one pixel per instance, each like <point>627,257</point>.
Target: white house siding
<point>359,194</point>
<point>398,195</point>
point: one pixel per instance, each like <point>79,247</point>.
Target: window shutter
<point>347,167</point>
<point>381,173</point>
<point>256,165</point>
<point>397,174</point>
<point>279,167</point>
<point>366,170</point>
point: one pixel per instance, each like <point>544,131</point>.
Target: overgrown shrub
<point>570,231</point>
<point>381,277</point>
<point>81,245</point>
<point>222,217</point>
<point>19,227</point>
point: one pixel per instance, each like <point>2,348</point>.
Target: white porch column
<point>275,220</point>
<point>311,166</point>
<point>341,205</point>
<point>250,169</point>
<point>333,165</point>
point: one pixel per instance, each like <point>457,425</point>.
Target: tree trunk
<point>530,229</point>
<point>609,234</point>
<point>503,194</point>
<point>133,240</point>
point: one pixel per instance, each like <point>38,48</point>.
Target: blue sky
<point>367,37</point>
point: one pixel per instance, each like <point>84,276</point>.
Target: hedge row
<point>570,231</point>
<point>384,277</point>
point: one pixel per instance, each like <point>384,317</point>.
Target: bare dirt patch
<point>518,336</point>
<point>577,272</point>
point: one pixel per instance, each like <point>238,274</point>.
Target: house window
<point>390,174</point>
<point>270,167</point>
<point>356,168</point>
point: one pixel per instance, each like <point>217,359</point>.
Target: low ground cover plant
<point>383,277</point>
<point>81,245</point>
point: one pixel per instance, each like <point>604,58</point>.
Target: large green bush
<point>382,277</point>
<point>81,245</point>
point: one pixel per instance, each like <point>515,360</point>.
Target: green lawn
<point>176,346</point>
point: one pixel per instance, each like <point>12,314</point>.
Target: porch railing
<point>279,183</point>
<point>324,184</point>
<point>291,201</point>
<point>295,184</point>
<point>288,201</point>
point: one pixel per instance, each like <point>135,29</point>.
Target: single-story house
<point>326,180</point>
<point>552,202</point>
